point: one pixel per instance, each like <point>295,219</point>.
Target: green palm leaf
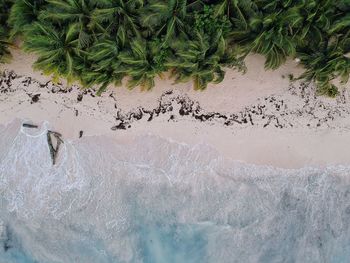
<point>57,50</point>
<point>5,55</point>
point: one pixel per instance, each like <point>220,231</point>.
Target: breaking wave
<point>157,201</point>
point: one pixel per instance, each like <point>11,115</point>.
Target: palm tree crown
<point>103,41</point>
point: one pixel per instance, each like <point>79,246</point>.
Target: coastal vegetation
<point>4,30</point>
<point>98,42</point>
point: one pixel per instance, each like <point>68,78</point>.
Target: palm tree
<point>318,16</point>
<point>67,12</point>
<point>318,71</point>
<point>327,61</point>
<point>201,60</point>
<point>116,17</point>
<point>103,66</point>
<point>143,61</point>
<point>23,13</point>
<point>233,9</point>
<point>164,18</point>
<point>4,43</point>
<point>104,53</point>
<point>325,44</point>
<point>101,41</point>
<point>58,49</point>
<point>4,31</point>
<point>202,56</point>
<point>271,30</point>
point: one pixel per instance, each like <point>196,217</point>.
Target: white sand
<point>324,142</point>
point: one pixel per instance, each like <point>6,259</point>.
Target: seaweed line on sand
<point>299,107</point>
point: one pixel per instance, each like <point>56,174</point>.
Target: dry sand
<point>258,117</point>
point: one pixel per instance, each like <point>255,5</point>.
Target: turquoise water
<point>155,201</point>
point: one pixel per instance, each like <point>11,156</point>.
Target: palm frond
<point>58,51</point>
<point>5,55</point>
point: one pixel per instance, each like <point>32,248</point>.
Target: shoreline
<point>255,149</point>
<point>266,148</point>
<point>257,118</point>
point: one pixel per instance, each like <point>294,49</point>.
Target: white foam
<point>106,201</point>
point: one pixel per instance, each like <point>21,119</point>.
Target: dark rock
<point>28,125</point>
<point>80,97</point>
<point>35,98</point>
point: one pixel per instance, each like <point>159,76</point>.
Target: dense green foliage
<point>104,41</point>
<point>4,30</point>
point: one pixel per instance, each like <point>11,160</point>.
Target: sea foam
<point>157,201</point>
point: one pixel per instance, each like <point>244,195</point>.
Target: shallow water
<point>158,201</point>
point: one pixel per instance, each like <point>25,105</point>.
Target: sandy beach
<point>174,131</point>
<point>259,117</point>
<point>254,169</point>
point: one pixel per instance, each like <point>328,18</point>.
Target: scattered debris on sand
<point>28,125</point>
<point>296,106</point>
<point>35,98</point>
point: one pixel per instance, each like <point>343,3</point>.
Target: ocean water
<point>158,201</point>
